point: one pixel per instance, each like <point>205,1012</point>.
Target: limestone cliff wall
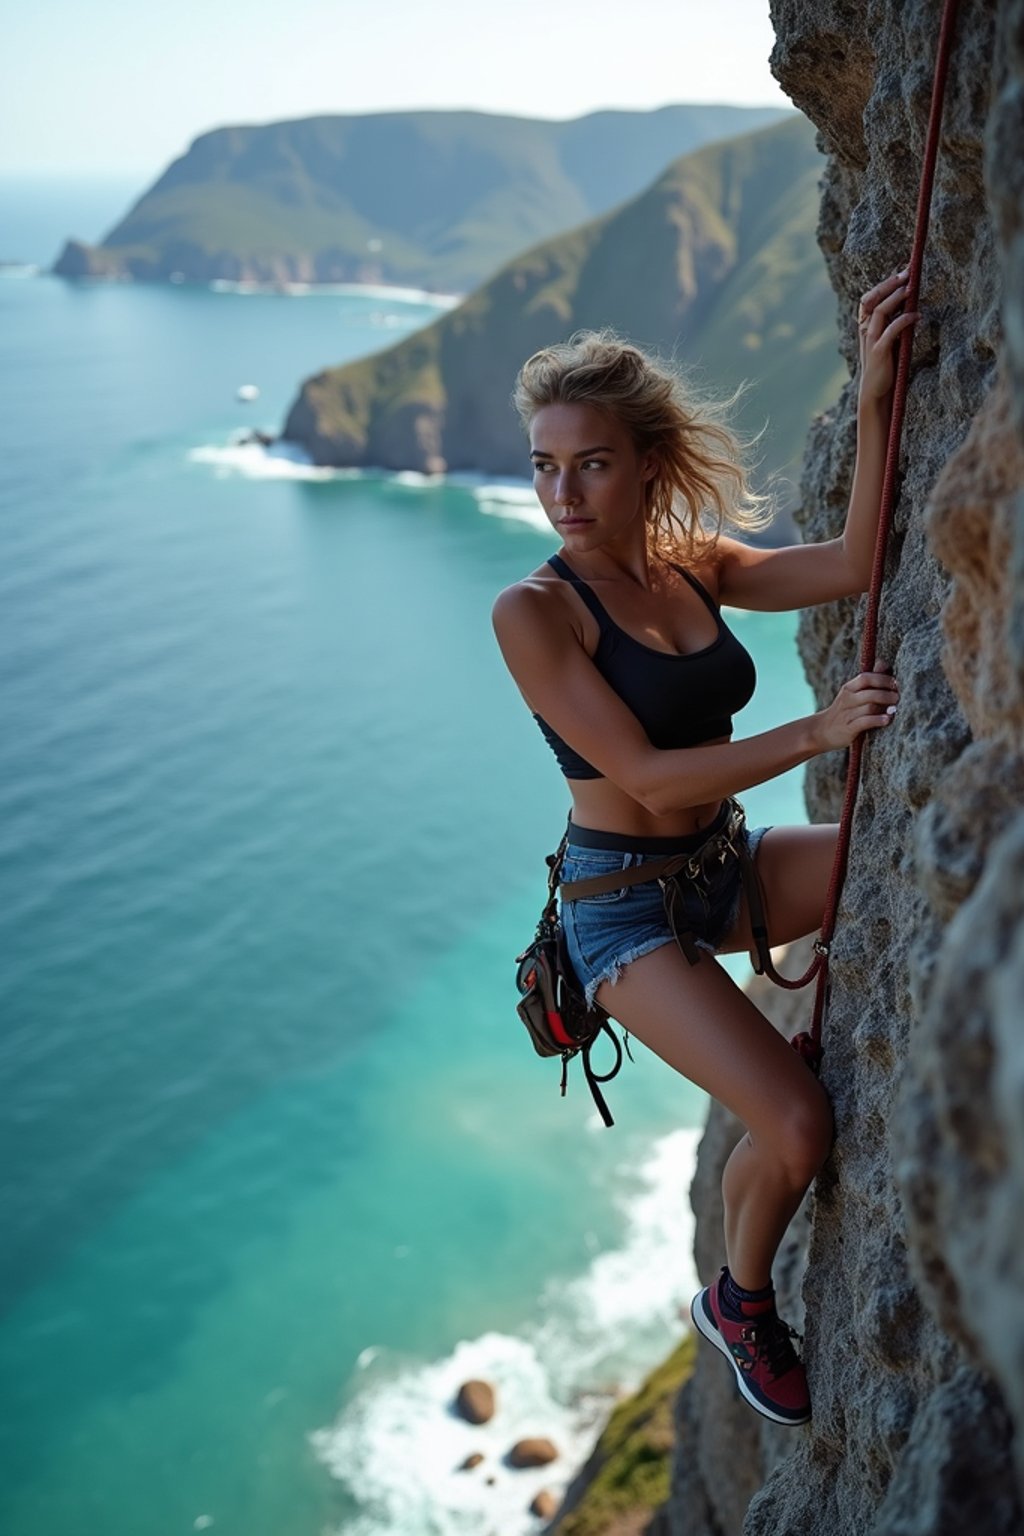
<point>905,1270</point>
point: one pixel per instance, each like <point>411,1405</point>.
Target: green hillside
<point>434,199</point>
<point>716,263</point>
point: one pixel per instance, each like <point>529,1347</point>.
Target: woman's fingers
<point>891,301</point>
<point>886,286</point>
<point>870,705</point>
<point>899,324</point>
<point>880,680</point>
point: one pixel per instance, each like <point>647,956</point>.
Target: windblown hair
<point>702,480</point>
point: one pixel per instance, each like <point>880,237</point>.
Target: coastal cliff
<point>430,199</point>
<point>716,261</point>
<point>904,1269</point>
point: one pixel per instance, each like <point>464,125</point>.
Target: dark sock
<point>738,1303</point>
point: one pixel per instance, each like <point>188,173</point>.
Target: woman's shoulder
<point>542,583</point>
<point>538,602</point>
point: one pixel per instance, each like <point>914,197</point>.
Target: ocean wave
<point>281,461</point>
<point>508,498</point>
<point>517,503</point>
<point>299,290</point>
<point>398,1445</point>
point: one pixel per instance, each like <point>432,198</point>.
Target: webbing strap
<point>809,1045</point>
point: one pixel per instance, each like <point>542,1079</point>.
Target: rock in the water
<point>472,1460</point>
<point>545,1504</point>
<point>475,1401</point>
<point>532,1452</point>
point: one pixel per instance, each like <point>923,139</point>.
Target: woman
<point>618,646</point>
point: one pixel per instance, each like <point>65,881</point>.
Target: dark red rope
<point>809,1044</point>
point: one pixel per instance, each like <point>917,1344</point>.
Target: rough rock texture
<point>907,1261</point>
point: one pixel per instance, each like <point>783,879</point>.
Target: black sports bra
<point>681,701</point>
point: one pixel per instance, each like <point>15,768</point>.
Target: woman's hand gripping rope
<point>878,331</point>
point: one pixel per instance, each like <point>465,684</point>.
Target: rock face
<point>905,1270</point>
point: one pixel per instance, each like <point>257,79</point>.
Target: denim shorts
<point>604,933</point>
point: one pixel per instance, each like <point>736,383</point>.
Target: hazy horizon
<point>148,93</point>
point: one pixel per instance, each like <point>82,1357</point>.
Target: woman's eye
<point>594,464</point>
<point>540,466</point>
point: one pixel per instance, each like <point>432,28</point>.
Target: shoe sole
<point>704,1322</point>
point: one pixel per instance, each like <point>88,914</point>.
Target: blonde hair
<point>702,474</point>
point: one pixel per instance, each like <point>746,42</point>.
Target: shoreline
<point>395,293</point>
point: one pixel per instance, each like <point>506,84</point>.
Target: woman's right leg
<point>699,1021</point>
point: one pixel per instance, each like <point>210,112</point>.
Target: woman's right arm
<point>547,659</point>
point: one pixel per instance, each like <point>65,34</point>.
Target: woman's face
<point>587,473</point>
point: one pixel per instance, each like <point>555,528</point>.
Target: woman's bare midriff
<point>599,804</point>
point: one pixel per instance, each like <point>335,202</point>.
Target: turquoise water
<point>279,1167</point>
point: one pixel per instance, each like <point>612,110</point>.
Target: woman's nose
<point>565,491</point>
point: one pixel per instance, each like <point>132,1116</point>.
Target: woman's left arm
<point>800,575</point>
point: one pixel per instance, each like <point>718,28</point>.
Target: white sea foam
<point>513,500</point>
<point>281,461</point>
<point>398,1444</point>
<point>379,291</point>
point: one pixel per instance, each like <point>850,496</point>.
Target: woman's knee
<point>802,1136</point>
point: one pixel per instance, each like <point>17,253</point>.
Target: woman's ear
<point>649,466</point>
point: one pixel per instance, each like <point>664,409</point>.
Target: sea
<point>279,1167</point>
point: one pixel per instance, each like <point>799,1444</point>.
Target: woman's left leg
<point>794,865</point>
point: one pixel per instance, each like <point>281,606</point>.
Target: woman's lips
<point>573,522</point>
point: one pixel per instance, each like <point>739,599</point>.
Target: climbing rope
<point>809,1043</point>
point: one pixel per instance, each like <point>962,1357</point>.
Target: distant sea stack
<point>716,262</point>
<point>435,200</point>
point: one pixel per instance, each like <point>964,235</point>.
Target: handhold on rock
<point>475,1401</point>
<point>546,1504</point>
<point>532,1452</point>
<point>472,1460</point>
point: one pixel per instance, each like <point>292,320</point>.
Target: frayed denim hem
<point>616,964</point>
<point>612,972</point>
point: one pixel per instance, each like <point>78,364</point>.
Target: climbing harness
<point>808,1044</point>
<point>551,1001</point>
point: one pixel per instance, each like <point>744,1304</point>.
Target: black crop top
<point>681,701</point>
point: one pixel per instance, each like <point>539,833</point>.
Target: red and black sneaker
<point>767,1367</point>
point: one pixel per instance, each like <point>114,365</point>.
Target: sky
<point>116,88</point>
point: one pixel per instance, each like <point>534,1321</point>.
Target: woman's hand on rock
<point>879,328</point>
<point>863,704</point>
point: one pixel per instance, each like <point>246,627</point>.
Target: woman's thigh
<point>794,865</point>
<point>701,1023</point>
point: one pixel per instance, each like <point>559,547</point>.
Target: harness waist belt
<point>715,844</point>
